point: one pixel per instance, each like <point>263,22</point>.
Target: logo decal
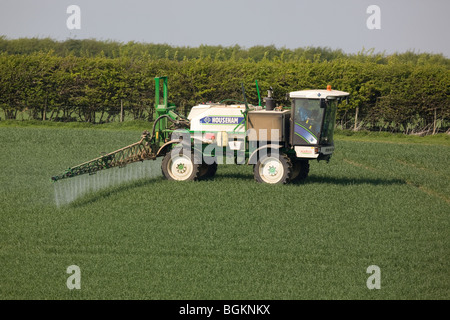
<point>221,120</point>
<point>305,134</point>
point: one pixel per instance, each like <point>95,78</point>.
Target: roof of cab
<point>318,94</point>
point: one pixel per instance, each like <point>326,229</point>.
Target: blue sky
<point>422,26</point>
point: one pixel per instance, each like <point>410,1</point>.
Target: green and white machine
<point>278,141</point>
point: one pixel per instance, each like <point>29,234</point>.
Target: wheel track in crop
<point>427,170</point>
<point>422,188</point>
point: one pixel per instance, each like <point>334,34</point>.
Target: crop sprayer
<point>278,141</point>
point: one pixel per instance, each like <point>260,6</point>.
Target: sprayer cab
<point>313,117</point>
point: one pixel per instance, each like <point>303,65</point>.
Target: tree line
<point>405,92</point>
<point>115,49</point>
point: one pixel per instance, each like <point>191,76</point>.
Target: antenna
<point>259,96</point>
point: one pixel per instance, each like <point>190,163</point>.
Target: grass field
<point>382,200</point>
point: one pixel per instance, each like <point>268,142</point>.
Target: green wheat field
<point>382,200</point>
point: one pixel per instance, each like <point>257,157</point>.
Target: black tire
<point>273,168</point>
<point>300,169</point>
<point>180,165</point>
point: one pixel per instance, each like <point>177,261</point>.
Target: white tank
<point>218,118</point>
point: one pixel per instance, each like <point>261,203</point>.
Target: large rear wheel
<point>273,168</point>
<point>180,165</point>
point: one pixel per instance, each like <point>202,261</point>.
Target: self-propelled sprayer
<point>278,141</point>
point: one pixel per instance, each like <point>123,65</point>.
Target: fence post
<point>121,110</point>
<point>44,115</point>
<point>356,119</point>
<point>434,122</point>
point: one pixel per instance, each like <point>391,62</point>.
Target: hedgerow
<point>399,93</point>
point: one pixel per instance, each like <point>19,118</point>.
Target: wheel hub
<point>181,168</point>
<point>272,171</point>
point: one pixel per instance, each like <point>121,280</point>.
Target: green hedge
<point>397,93</point>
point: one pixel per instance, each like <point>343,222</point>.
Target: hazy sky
<point>419,25</point>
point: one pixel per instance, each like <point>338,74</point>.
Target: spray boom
<point>147,148</point>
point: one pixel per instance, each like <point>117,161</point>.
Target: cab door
<point>307,117</point>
